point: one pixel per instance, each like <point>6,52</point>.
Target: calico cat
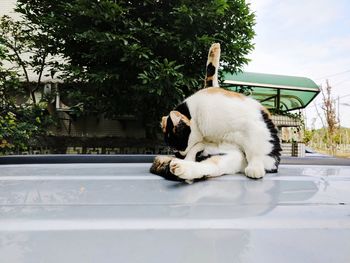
<point>215,119</point>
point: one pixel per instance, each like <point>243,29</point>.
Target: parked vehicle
<point>111,209</point>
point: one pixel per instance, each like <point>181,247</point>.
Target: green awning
<point>276,92</point>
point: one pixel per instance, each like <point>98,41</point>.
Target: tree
<point>328,108</point>
<point>25,49</point>
<point>19,124</point>
<point>308,136</point>
<point>140,57</point>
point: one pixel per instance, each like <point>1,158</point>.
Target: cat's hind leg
<point>160,166</point>
<point>271,164</point>
<point>256,145</point>
<point>255,169</point>
<point>214,166</point>
<point>189,170</point>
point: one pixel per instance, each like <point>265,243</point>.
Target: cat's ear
<point>176,117</point>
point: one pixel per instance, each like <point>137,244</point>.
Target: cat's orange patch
<point>163,124</point>
<point>225,92</point>
<point>214,159</point>
<point>214,49</point>
<point>266,111</point>
<point>177,116</point>
<point>186,120</point>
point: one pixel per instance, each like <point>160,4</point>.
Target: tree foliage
<point>19,123</point>
<point>140,57</point>
<point>25,49</point>
<point>19,126</point>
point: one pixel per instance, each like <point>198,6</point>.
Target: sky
<point>309,38</point>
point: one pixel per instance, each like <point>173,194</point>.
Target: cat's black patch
<point>179,155</point>
<point>166,174</point>
<point>177,137</point>
<point>200,156</point>
<point>272,171</point>
<point>210,73</point>
<point>209,83</point>
<point>183,109</point>
<point>275,141</point>
<point>210,70</point>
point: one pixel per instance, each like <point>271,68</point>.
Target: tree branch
<point>40,72</point>
<point>20,61</point>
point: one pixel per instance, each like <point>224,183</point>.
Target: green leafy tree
<point>19,124</point>
<point>308,136</point>
<point>21,127</point>
<point>26,52</point>
<point>140,57</point>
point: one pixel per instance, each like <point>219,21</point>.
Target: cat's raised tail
<point>211,76</point>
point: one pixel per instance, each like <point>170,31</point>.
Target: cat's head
<point>176,129</point>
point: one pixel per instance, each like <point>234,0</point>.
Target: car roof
<point>119,212</point>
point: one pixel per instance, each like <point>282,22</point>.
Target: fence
<point>294,149</point>
<point>110,145</point>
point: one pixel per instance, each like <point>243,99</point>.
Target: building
<point>280,94</point>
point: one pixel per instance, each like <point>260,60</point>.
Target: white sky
<point>308,38</point>
<point>305,38</point>
<point>6,7</point>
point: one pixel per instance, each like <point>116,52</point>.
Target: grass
<point>339,154</point>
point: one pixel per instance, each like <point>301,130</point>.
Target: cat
<point>217,120</point>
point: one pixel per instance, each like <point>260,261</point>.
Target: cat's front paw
<point>255,171</point>
<point>183,169</point>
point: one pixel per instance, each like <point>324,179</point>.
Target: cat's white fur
<point>217,117</point>
<point>226,120</point>
<point>225,159</point>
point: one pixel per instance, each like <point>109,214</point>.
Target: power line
<point>347,95</point>
<point>345,80</point>
<point>315,104</point>
<point>340,82</point>
<point>335,74</point>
